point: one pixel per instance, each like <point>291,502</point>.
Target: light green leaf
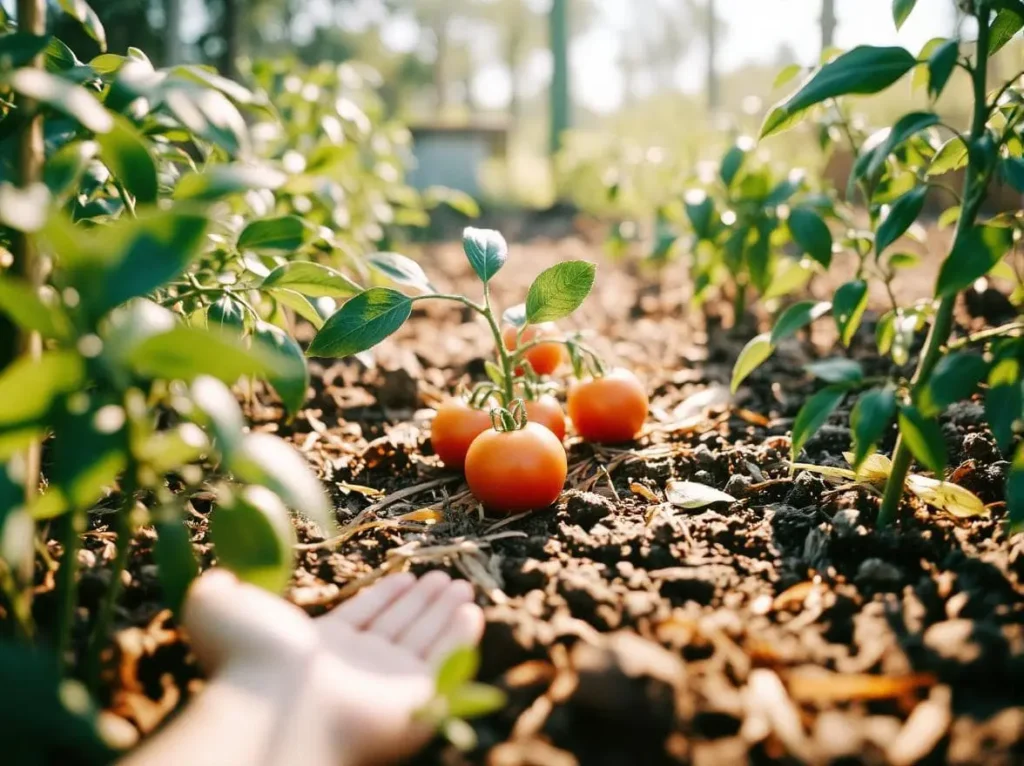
<point>952,155</point>
<point>1003,402</point>
<point>459,668</point>
<point>796,317</point>
<point>813,415</point>
<point>290,380</point>
<point>218,410</point>
<point>955,377</point>
<point>284,234</point>
<point>869,421</point>
<point>812,234</point>
<point>559,290</point>
<point>219,181</point>
<point>903,212</point>
<point>301,305</point>
<point>261,458</point>
<point>66,166</point>
<point>457,200</point>
<point>475,700</point>
<point>25,306</point>
<point>29,387</point>
<point>901,9</point>
<point>402,270</point>
<point>311,279</point>
<point>363,322</point>
<point>57,93</point>
<point>924,438</point>
<point>758,349</point>
<point>253,537</point>
<point>837,370</point>
<point>946,496</point>
<point>850,301</point>
<point>486,250</point>
<point>186,353</point>
<point>1007,23</point>
<point>90,449</point>
<point>863,70</point>
<point>906,127</point>
<point>973,256</point>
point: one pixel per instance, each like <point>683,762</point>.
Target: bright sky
<point>756,29</point>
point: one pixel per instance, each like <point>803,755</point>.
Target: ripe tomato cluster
<point>514,459</point>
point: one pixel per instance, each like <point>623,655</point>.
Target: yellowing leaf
<point>690,494</point>
<point>876,468</point>
<point>946,496</point>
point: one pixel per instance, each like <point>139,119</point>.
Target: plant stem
<point>975,182</point>
<point>982,335</point>
<point>122,526</point>
<point>67,585</point>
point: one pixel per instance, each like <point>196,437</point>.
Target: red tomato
<point>455,427</point>
<point>515,471</point>
<point>545,358</point>
<point>548,412</point>
<point>609,409</point>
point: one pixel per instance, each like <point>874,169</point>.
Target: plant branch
<point>983,335</point>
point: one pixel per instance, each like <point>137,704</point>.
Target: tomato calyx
<point>585,361</point>
<point>511,419</point>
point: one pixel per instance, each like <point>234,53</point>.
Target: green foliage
<point>869,420</point>
<point>362,323</point>
<point>486,251</point>
<point>558,291</point>
<point>253,537</point>
<point>813,415</point>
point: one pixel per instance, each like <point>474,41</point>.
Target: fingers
<point>421,634</point>
<point>408,607</point>
<point>360,610</point>
<point>465,628</point>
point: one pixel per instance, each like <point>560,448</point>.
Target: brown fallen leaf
<point>754,418</point>
<point>821,687</point>
<point>645,492</point>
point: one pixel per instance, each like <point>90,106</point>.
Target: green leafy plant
<point>458,698</point>
<point>894,171</point>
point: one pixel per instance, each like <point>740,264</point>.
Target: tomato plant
<point>516,466</point>
<point>895,171</point>
<point>544,356</point>
<point>608,407</point>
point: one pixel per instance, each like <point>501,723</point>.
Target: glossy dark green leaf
<point>923,436</point>
<point>907,126</point>
<point>940,66</point>
<point>1012,169</point>
<point>253,537</point>
<point>757,350</point>
<point>63,96</point>
<point>23,304</point>
<point>312,279</point>
<point>796,317</point>
<point>955,377</point>
<point>1015,491</point>
<point>226,314</point>
<point>127,154</point>
<point>837,370</point>
<point>58,58</point>
<point>863,70</point>
<point>1007,23</point>
<point>848,306</point>
<point>901,10</point>
<point>869,421</point>
<point>559,290</point>
<point>19,48</point>
<point>812,234</point>
<point>186,353</point>
<point>263,459</point>
<point>1003,402</point>
<point>283,234</point>
<point>486,250</point>
<point>700,209</point>
<point>176,562</point>
<point>732,162</point>
<point>90,449</point>
<point>902,214</point>
<point>813,415</point>
<point>65,167</point>
<point>291,379</point>
<point>362,323</point>
<point>973,256</point>
<point>401,270</point>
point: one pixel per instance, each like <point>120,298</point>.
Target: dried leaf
<point>946,496</point>
<point>424,514</point>
<point>690,494</point>
<point>754,418</point>
<point>359,489</point>
<point>822,687</point>
<point>645,492</point>
<point>795,596</point>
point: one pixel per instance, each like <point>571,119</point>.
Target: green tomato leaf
<point>903,212</point>
<point>176,562</point>
<point>813,416</point>
<point>973,256</point>
<point>901,10</point>
<point>62,96</point>
<point>362,323</point>
<point>955,377</point>
<point>558,291</point>
<point>186,353</point>
<point>837,370</point>
<point>869,420</point>
<point>284,234</point>
<point>851,299</point>
<point>311,279</point>
<point>457,669</point>
<point>253,537</point>
<point>263,459</point>
<point>796,317</point>
<point>1003,402</point>
<point>864,70</point>
<point>924,438</point>
<point>757,350</point>
<point>402,270</point>
<point>812,234</point>
<point>700,209</point>
<point>290,380</point>
<point>486,250</point>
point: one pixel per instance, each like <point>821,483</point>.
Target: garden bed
<point>782,627</point>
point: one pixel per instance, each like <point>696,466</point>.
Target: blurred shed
<point>454,155</point>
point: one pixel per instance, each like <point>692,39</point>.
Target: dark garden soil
<point>779,628</point>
